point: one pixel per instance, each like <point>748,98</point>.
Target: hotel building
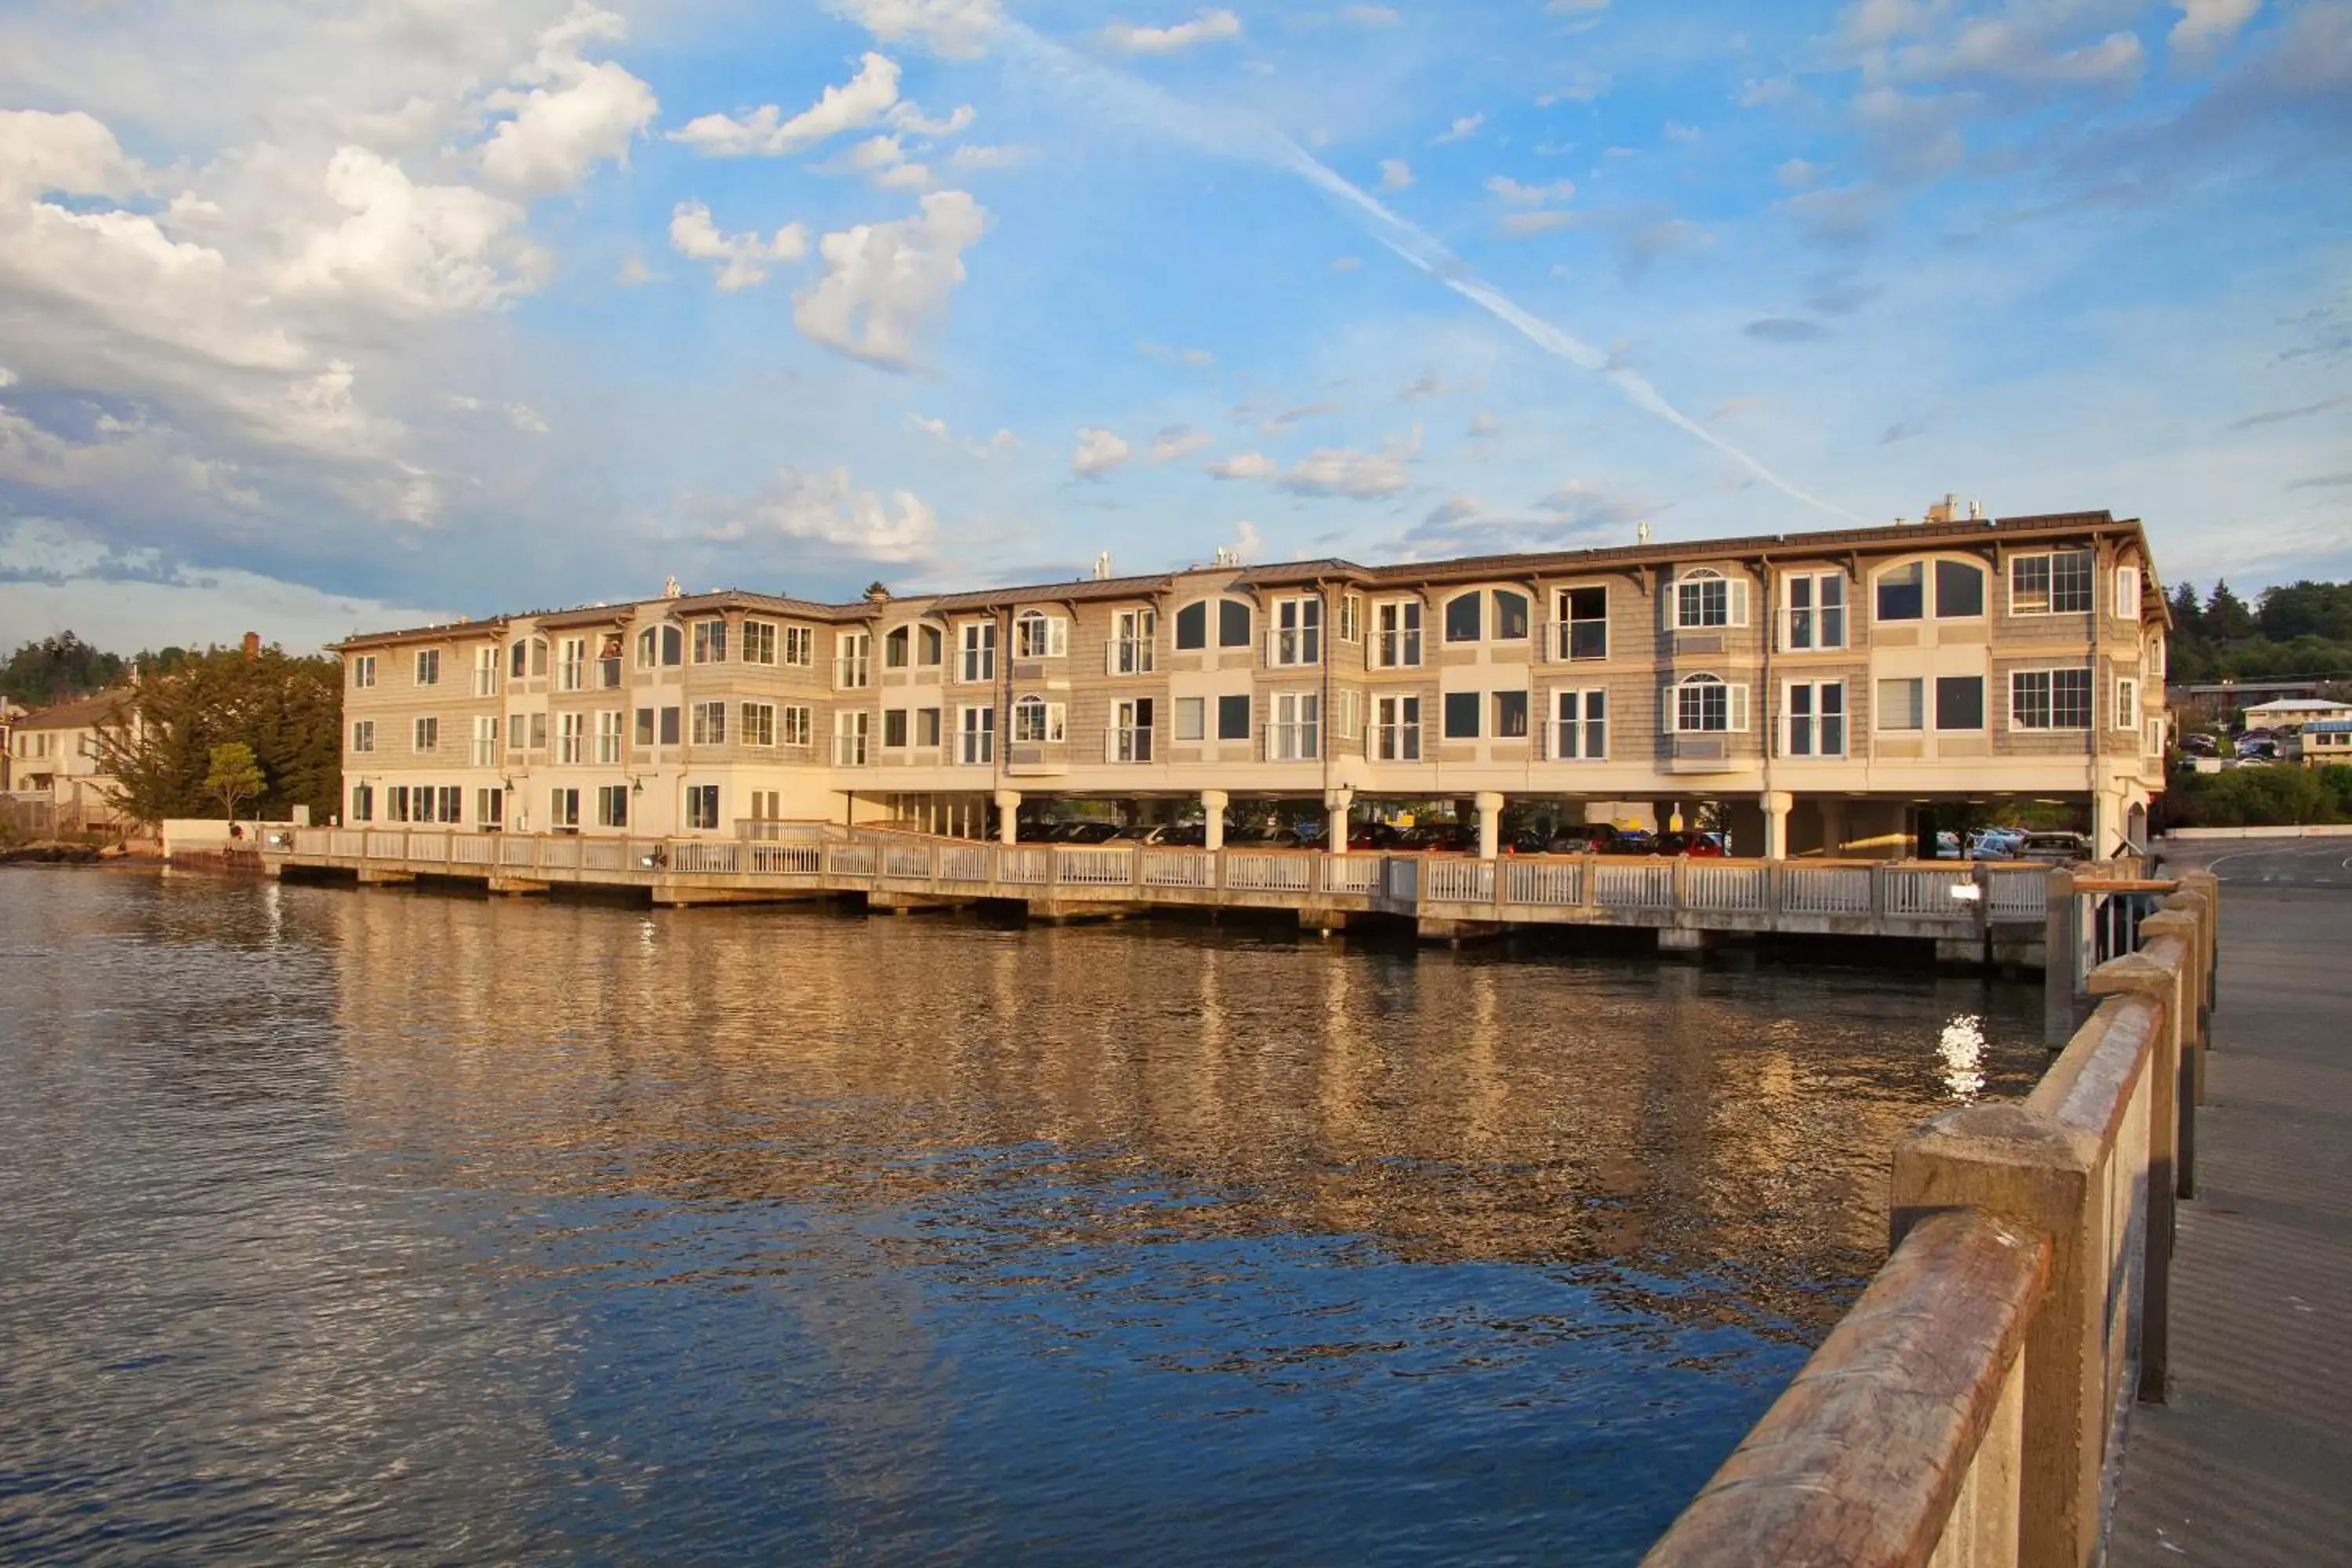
<point>1834,692</point>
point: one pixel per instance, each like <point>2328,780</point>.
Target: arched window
<point>1959,590</point>
<point>1702,599</point>
<point>538,656</point>
<point>1192,626</point>
<point>648,645</point>
<point>1233,624</point>
<point>673,645</point>
<point>519,658</point>
<point>1465,617</point>
<point>1705,705</point>
<point>1036,634</point>
<point>1034,720</point>
<point>894,649</point>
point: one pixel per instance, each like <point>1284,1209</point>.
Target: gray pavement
<point>2252,1461</point>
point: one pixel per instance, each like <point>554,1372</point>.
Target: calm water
<point>387,1224</point>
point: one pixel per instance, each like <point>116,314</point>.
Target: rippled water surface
<point>383,1225</point>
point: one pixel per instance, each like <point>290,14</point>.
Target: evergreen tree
<point>287,711</point>
<point>59,669</point>
<point>2187,615</point>
<point>2227,619</point>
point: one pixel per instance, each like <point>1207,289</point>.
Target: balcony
<point>1294,648</point>
<point>1575,642</point>
<point>1130,743</point>
<point>1129,656</point>
<point>1395,742</point>
<point>1396,650</point>
<point>852,673</point>
<point>849,750</point>
<point>1292,743</point>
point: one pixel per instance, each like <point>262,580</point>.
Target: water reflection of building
<point>1680,1121</point>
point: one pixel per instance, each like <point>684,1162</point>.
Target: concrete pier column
<point>2106,824</point>
<point>1336,802</point>
<point>1490,824</point>
<point>1008,817</point>
<point>1776,804</point>
<point>1213,806</point>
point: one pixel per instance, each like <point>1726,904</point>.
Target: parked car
<point>1186,836</point>
<point>1441,838</point>
<point>1707,845</point>
<point>1583,839</point>
<point>1995,844</point>
<point>1630,841</point>
<point>2054,848</point>
<point>2201,745</point>
<point>1156,832</point>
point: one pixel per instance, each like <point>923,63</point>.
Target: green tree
<point>288,713</point>
<point>2306,609</point>
<point>2187,615</point>
<point>2227,619</point>
<point>59,669</point>
<point>234,775</point>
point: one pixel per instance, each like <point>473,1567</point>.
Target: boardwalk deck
<point>2251,1462</point>
<point>1947,902</point>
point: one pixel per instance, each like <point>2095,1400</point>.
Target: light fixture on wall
<point>637,785</point>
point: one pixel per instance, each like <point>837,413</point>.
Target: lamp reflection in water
<point>1962,1046</point>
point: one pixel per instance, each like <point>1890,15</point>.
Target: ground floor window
<point>702,807</point>
<point>564,808</point>
<point>489,807</point>
<point>362,803</point>
<point>612,806</point>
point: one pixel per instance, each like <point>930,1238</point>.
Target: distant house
<point>54,753</point>
<point>2326,744</point>
<point>2295,711</point>
<point>9,713</point>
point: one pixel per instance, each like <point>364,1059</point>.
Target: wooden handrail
<point>1861,1461</point>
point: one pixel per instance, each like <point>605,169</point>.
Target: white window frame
<point>424,736</point>
<point>853,661</point>
<point>2127,714</point>
<point>706,723</point>
<point>1577,733</point>
<point>1698,684</point>
<point>853,736</point>
<point>1036,634</point>
<point>2049,558</point>
<point>759,642</point>
<point>571,738</point>
<point>363,671</point>
<point>976,735</point>
<point>486,672</point>
<point>2127,606</point>
<point>800,645</point>
<point>1815,718</point>
<point>428,666</point>
<point>1351,617</point>
<point>1192,714</point>
<point>1393,638</point>
<point>1682,605</point>
<point>485,753</point>
<point>1817,611</point>
<point>1037,723</point>
<point>571,665</point>
<point>1562,633</point>
<point>1129,738</point>
<point>363,736</point>
<point>612,735</point>
<point>1132,649</point>
<point>975,652</point>
<point>612,806</point>
<point>793,726</point>
<point>710,641</point>
<point>1879,710</point>
<point>2048,676</point>
<point>1395,734</point>
<point>702,804</point>
<point>1293,726</point>
<point>757,725</point>
<point>1294,634</point>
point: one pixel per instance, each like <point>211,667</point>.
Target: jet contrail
<point>1232,135</point>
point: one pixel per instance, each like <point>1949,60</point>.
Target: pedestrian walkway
<point>2251,1462</point>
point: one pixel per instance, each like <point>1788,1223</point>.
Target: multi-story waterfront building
<point>55,757</point>
<point>1832,691</point>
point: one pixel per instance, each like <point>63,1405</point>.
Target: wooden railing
<point>1969,1410</point>
<point>1924,899</point>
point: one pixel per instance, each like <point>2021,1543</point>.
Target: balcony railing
<point>849,750</point>
<point>1292,743</point>
<point>1294,648</point>
<point>1129,743</point>
<point>1396,650</point>
<point>1575,642</point>
<point>1129,656</point>
<point>852,673</point>
<point>1395,742</point>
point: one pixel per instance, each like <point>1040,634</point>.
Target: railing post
<point>2166,985</point>
<point>2060,947</point>
<point>1589,882</point>
<point>1682,868</point>
<point>2023,1166</point>
<point>1882,891</point>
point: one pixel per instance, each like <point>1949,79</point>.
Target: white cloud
<point>1463,129</point>
<point>1372,16</point>
<point>1521,225</point>
<point>1395,174</point>
<point>573,115</point>
<point>1207,27</point>
<point>634,271</point>
<point>1484,423</point>
<point>1244,466</point>
<point>7,377</point>
<point>1510,190</point>
<point>969,158</point>
<point>1196,359</point>
<point>1177,441</point>
<point>521,415</point>
<point>1770,92</point>
<point>884,282</point>
<point>1675,131</point>
<point>822,509</point>
<point>952,29</point>
<point>1247,541</point>
<point>1098,452</point>
<point>1344,471</point>
<point>884,163</point>
<point>192,606</point>
<point>2206,26</point>
<point>411,248</point>
<point>743,258</point>
<point>1796,174</point>
<point>865,99</point>
<point>1004,441</point>
<point>2026,45</point>
<point>907,116</point>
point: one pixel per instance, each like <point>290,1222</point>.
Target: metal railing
<point>1129,656</point>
